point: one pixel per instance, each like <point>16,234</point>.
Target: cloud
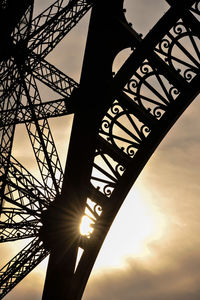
<point>29,288</point>
<point>68,54</point>
<point>172,271</point>
<point>172,274</point>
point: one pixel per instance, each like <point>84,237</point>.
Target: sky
<point>152,249</point>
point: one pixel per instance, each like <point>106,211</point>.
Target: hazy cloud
<point>171,274</point>
<point>172,271</point>
<point>30,288</point>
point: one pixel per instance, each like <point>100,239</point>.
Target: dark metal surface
<point>119,120</point>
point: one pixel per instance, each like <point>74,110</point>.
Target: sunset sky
<point>152,250</point>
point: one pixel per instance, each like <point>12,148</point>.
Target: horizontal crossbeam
<point>50,109</point>
<point>17,224</point>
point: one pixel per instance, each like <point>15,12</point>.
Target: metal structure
<point>119,120</point>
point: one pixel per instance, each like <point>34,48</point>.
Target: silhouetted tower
<point>119,120</point>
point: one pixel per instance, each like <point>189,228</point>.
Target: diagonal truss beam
<point>12,14</point>
<point>75,10</point>
<point>19,172</point>
<point>17,224</point>
<point>6,139</point>
<point>59,19</point>
<point>24,190</point>
<point>21,32</point>
<point>18,267</point>
<point>42,141</point>
<point>51,76</point>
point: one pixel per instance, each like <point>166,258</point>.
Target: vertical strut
<point>102,45</point>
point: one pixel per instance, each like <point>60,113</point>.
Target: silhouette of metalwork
<point>119,120</point>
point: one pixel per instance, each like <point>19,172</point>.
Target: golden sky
<point>152,249</point>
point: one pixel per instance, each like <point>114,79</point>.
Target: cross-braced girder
<point>115,129</point>
<point>49,109</point>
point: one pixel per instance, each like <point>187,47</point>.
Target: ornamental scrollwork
<point>151,90</point>
<point>179,48</point>
<point>195,9</point>
<point>123,130</point>
<point>91,215</point>
<point>105,173</point>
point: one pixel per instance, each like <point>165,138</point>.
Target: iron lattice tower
<point>119,120</point>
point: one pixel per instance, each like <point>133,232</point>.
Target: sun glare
<point>137,225</point>
<point>85,226</point>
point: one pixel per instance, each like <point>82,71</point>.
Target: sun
<point>138,224</point>
<point>86,226</point>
